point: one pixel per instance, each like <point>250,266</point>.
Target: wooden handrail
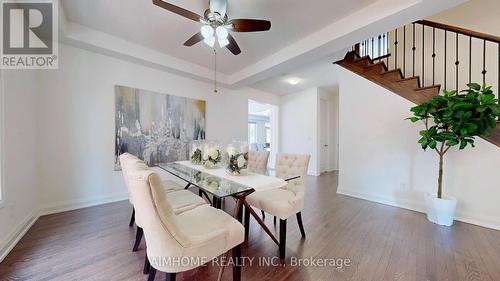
<point>460,30</point>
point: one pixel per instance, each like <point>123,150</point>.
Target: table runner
<point>256,181</point>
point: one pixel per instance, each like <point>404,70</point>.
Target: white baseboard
<point>70,205</point>
<point>484,221</point>
<point>13,238</point>
<point>20,230</point>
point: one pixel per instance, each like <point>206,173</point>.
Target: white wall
<point>478,15</point>
<point>19,206</point>
<point>381,161</point>
<point>76,121</point>
<point>299,126</point>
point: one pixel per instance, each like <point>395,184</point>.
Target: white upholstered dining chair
<point>257,161</point>
<point>181,200</point>
<point>287,201</point>
<point>177,242</point>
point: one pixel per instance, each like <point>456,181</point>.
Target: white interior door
<point>323,135</point>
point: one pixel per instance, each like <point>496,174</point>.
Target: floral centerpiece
<point>195,153</point>
<point>212,156</point>
<point>237,158</point>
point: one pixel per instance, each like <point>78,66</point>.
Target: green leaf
<point>463,144</point>
<point>432,144</point>
<point>452,142</point>
<point>474,86</point>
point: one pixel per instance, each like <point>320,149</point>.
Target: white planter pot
<point>440,211</point>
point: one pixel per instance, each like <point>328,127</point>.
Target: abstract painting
<point>156,127</point>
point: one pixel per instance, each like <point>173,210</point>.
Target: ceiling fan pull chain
<point>215,71</point>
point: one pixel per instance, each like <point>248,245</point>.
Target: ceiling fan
<point>216,25</point>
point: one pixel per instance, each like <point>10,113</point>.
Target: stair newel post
<point>457,62</point>
<point>484,62</point>
<point>413,50</point>
<point>396,48</point>
<point>433,56</point>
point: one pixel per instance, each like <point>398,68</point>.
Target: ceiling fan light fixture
<point>210,41</point>
<point>207,31</point>
<point>221,32</point>
<point>223,42</point>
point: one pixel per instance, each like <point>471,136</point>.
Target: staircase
<point>411,86</point>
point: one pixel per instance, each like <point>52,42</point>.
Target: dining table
<point>221,184</point>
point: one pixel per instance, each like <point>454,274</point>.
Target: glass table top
<point>215,185</point>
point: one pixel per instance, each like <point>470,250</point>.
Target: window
<point>268,134</point>
<point>252,133</point>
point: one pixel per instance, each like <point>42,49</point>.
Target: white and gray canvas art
<point>156,127</point>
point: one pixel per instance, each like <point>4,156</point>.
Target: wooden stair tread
<point>438,86</point>
<point>393,80</point>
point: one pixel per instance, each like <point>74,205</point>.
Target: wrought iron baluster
<point>445,55</point>
<point>413,50</point>
<point>470,59</point>
<point>379,47</point>
<point>456,62</point>
<point>396,48</point>
<point>484,62</point>
<point>433,56</point>
<point>404,50</point>
<point>423,55</point>
<point>373,52</point>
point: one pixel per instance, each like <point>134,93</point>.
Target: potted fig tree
<point>453,120</point>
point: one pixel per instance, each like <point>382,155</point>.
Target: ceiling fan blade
<point>177,10</point>
<point>194,39</point>
<point>249,25</point>
<point>233,46</point>
<point>219,6</point>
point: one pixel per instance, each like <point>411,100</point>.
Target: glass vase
<point>196,152</point>
<point>237,158</point>
<point>212,156</point>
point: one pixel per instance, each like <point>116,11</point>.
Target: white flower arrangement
<point>195,155</point>
<point>237,159</point>
<point>211,157</point>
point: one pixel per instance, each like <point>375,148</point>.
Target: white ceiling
<point>320,73</point>
<point>142,22</point>
<point>306,36</point>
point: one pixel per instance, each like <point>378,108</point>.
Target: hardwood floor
<point>381,242</point>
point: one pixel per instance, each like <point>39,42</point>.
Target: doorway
<point>262,128</point>
<point>328,127</point>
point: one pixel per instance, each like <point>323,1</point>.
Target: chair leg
<point>237,263</point>
<point>132,218</point>
<point>263,215</point>
<point>274,220</point>
<point>138,237</point>
<point>301,226</point>
<point>147,266</point>
<point>170,276</point>
<point>282,238</point>
<point>247,222</point>
<point>152,274</point>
